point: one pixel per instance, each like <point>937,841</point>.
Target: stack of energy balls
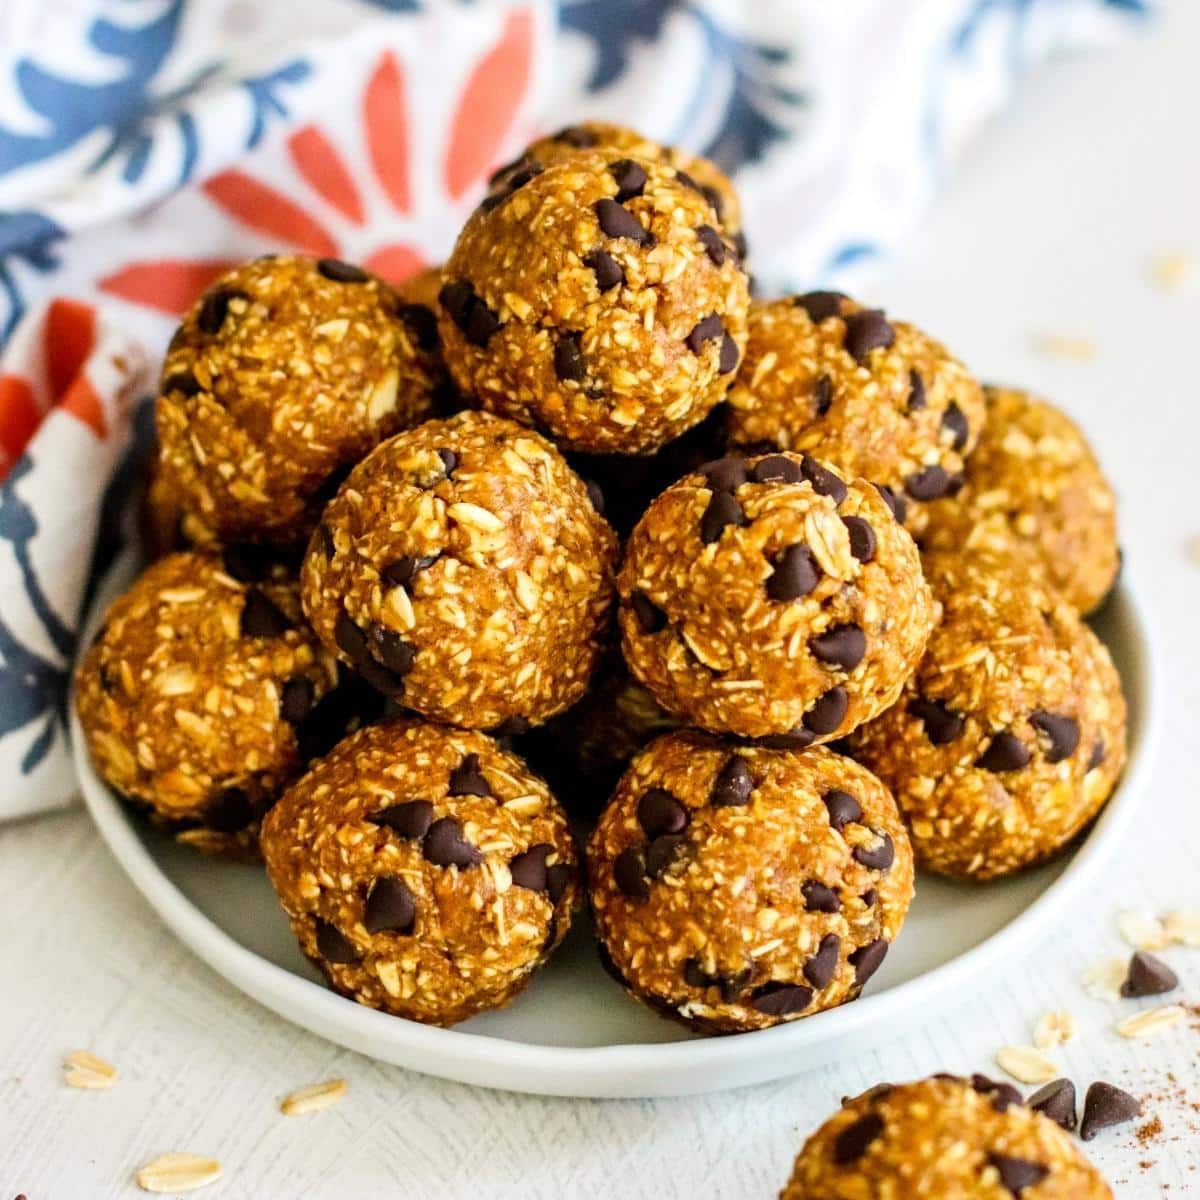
<point>832,632</point>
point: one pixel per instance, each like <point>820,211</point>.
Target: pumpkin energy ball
<point>595,299</point>
<point>942,1139</point>
<point>1034,479</point>
<point>463,570</point>
<point>283,375</point>
<point>768,597</point>
<point>425,871</point>
<point>735,887</point>
<point>194,692</point>
<point>1010,736</point>
<point>872,397</point>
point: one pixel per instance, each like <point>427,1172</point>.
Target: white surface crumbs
<point>1048,227</point>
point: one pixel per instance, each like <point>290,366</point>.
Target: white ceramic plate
<point>574,1032</point>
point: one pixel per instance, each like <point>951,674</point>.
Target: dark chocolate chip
<point>467,779</point>
<point>862,538</point>
<point>714,199</point>
<point>824,482</point>
<point>449,461</point>
<point>390,649</point>
<point>1003,1095</point>
<point>390,906</point>
<point>183,382</point>
<point>629,873</point>
<point>323,541</point>
<point>1006,752</point>
<point>742,248</point>
<point>568,359</point>
<point>694,975</point>
<point>733,785</point>
<point>942,724</point>
<point>575,135</point>
<point>529,869</point>
<point>1017,1174</point>
<point>820,305</point>
<point>609,273</point>
<point>955,423</point>
<point>779,999</point>
<point>843,809</point>
<point>929,483</point>
<point>1099,750</point>
<point>705,330</point>
<point>776,467</point>
<point>1060,731</point>
<point>822,395</point>
<point>727,360</point>
<point>1057,1101</point>
<point>411,819</point>
<point>722,510</point>
<point>660,812</point>
<point>350,640</point>
<point>509,180</point>
<point>557,879</point>
<point>854,1141</point>
<point>869,897</point>
<point>341,272</point>
<point>650,618</point>
<point>213,310</point>
<point>296,699</point>
<point>1105,1105</point>
<point>595,495</point>
<point>867,330</point>
<point>468,311</point>
<point>630,178</point>
<point>422,322</point>
<point>795,739</point>
<point>445,846</point>
<point>229,811</point>
<point>866,960</point>
<point>400,572</point>
<point>916,392</point>
<point>262,617</point>
<point>819,898</point>
<point>725,474</point>
<point>840,646</point>
<point>796,574</point>
<point>828,711</point>
<point>823,965</point>
<point>661,852</point>
<point>333,945</point>
<point>618,222</point>
<point>895,502</point>
<point>1148,976</point>
<point>878,857</point>
<point>713,243</point>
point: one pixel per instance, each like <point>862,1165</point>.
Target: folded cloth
<point>144,147</point>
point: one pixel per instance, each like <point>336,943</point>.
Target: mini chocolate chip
<point>350,640</point>
<point>1003,1095</point>
<point>733,785</point>
<point>422,322</point>
<point>714,199</point>
<point>1017,1174</point>
<point>557,879</point>
<point>183,382</point>
<point>468,311</point>
<point>796,738</point>
<point>822,395</point>
<point>575,135</point>
<point>869,897</point>
<point>630,178</point>
<point>660,812</point>
<point>916,392</point>
<point>1057,1101</point>
<point>695,976</point>
<point>705,330</point>
<point>445,846</point>
<point>776,467</point>
<point>296,699</point>
<point>650,618</point>
<point>341,272</point>
<point>929,483</point>
<point>629,873</point>
<point>955,423</point>
<point>840,646</point>
<point>895,502</point>
<point>529,869</point>
<point>568,359</point>
<point>1105,1105</point>
<point>727,360</point>
<point>1099,750</point>
<point>609,273</point>
<point>725,474</point>
<point>722,510</point>
<point>449,461</point>
<point>333,945</point>
<point>595,495</point>
<point>819,898</point>
<point>820,305</point>
<point>854,1141</point>
<point>229,811</point>
<point>713,243</point>
<point>618,222</point>
<point>796,574</point>
<point>866,960</point>
<point>824,482</point>
<point>390,906</point>
<point>878,857</point>
<point>323,541</point>
<point>262,617</point>
<point>509,180</point>
<point>411,819</point>
<point>400,572</point>
<point>741,248</point>
<point>467,779</point>
<point>942,724</point>
<point>823,965</point>
<point>843,809</point>
<point>661,852</point>
<point>862,538</point>
<point>867,330</point>
<point>1148,976</point>
<point>390,649</point>
<point>828,711</point>
<point>1061,733</point>
<point>778,999</point>
<point>213,310</point>
<point>1006,752</point>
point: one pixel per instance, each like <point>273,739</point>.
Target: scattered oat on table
<point>1183,927</point>
<point>177,1171</point>
<point>313,1098</point>
<point>1054,1027</point>
<point>1142,932</point>
<point>1064,345</point>
<point>1151,1022</point>
<point>1171,269</point>
<point>1026,1064</point>
<point>85,1070</point>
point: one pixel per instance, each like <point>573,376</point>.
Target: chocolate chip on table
<point>661,852</point>
<point>727,360</point>
<point>1057,1101</point>
<point>843,809</point>
<point>650,618</point>
<point>229,811</point>
<point>660,812</point>
<point>778,999</point>
<point>422,323</point>
<point>1148,976</point>
<point>725,474</point>
<point>916,392</point>
<point>341,272</point>
<point>629,873</point>
<point>733,784</point>
<point>411,819</point>
<point>1003,1095</point>
<point>618,222</point>
<point>776,467</point>
<point>866,960</point>
<point>467,779</point>
<point>713,243</point>
<point>390,906</point>
<point>867,330</point>
<point>819,898</point>
<point>895,502</point>
<point>400,572</point>
<point>823,965</point>
<point>705,330</point>
<point>929,483</point>
<point>828,711</point>
<point>296,699</point>
<point>1105,1105</point>
<point>468,311</point>
<point>529,869</point>
<point>630,178</point>
<point>820,305</point>
<point>955,423</point>
<point>1060,731</point>
<point>262,617</point>
<point>445,846</point>
<point>569,365</point>
<point>862,538</point>
<point>609,273</point>
<point>333,945</point>
<point>840,646</point>
<point>1017,1174</point>
<point>557,879</point>
<point>824,482</point>
<point>722,510</point>
<point>942,724</point>
<point>1006,752</point>
<point>822,395</point>
<point>853,1141</point>
<point>796,574</point>
<point>213,310</point>
<point>1099,750</point>
<point>878,857</point>
<point>390,649</point>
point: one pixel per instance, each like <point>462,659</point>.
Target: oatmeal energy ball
<point>596,299</point>
<point>285,373</point>
<point>872,397</point>
<point>768,597</point>
<point>1034,479</point>
<point>463,570</point>
<point>938,1139</point>
<point>191,695</point>
<point>735,887</point>
<point>426,871</point>
<point>1010,736</point>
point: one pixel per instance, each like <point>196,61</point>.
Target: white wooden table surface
<point>1049,228</point>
